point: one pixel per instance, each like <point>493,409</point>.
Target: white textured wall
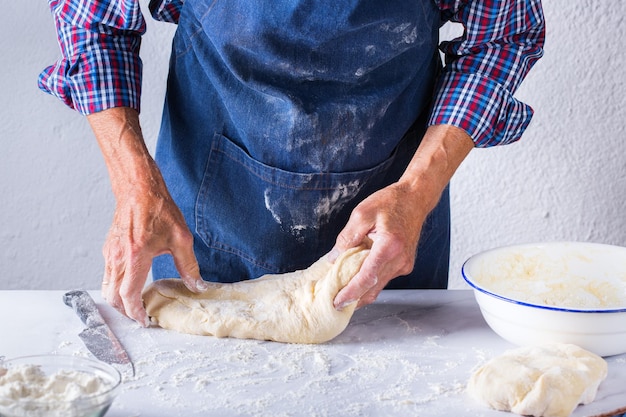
<point>566,179</point>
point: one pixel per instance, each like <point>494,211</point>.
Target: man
<point>292,129</point>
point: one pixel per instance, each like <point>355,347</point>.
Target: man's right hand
<point>146,223</point>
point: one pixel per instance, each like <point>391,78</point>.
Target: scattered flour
<point>248,377</point>
<point>27,391</point>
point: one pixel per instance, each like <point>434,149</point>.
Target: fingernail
<point>202,285</point>
<point>345,304</point>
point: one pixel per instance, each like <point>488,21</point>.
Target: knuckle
<point>407,269</point>
<point>407,266</point>
<point>371,280</point>
<point>368,299</point>
<point>366,281</point>
<point>183,237</point>
<point>345,239</point>
<point>358,214</point>
<point>134,252</point>
<point>115,302</point>
<point>125,293</point>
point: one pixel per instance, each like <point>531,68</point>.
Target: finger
<point>113,275</point>
<point>131,288</point>
<point>110,293</point>
<point>187,265</point>
<point>371,296</point>
<point>361,283</point>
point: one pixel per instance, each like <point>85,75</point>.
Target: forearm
<point>126,156</point>
<point>440,153</point>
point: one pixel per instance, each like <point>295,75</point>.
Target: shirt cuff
<point>95,81</point>
<point>483,108</point>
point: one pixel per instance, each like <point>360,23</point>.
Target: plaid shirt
<point>100,66</point>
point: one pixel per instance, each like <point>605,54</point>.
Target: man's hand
<point>146,223</point>
<point>393,226</point>
<point>392,218</point>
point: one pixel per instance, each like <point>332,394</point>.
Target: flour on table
<point>548,381</point>
<point>59,392</point>
<point>295,307</point>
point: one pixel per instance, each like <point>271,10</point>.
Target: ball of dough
<point>548,381</point>
<point>295,307</point>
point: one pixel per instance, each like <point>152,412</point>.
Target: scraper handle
<point>82,303</point>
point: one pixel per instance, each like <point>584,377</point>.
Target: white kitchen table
<point>409,354</point>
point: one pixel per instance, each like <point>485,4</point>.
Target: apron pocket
<point>257,219</point>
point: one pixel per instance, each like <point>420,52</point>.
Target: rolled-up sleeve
<point>100,67</point>
<point>501,42</point>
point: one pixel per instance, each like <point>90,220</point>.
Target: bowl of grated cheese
<point>55,386</point>
<point>562,292</point>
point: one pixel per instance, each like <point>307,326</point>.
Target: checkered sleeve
<point>99,66</point>
<point>501,42</point>
<point>166,10</point>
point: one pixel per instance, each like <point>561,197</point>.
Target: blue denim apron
<point>281,116</point>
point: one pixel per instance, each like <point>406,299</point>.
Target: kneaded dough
<point>547,381</point>
<point>295,307</point>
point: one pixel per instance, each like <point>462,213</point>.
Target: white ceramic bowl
<point>565,292</point>
<point>95,385</point>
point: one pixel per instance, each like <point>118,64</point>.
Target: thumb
<point>349,237</point>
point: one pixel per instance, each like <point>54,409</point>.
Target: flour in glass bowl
<point>27,391</point>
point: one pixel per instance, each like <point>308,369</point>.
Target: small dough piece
<point>295,307</point>
<point>548,381</point>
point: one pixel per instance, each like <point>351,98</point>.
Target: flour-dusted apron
<point>282,115</point>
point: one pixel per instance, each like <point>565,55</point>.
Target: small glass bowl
<point>18,404</point>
